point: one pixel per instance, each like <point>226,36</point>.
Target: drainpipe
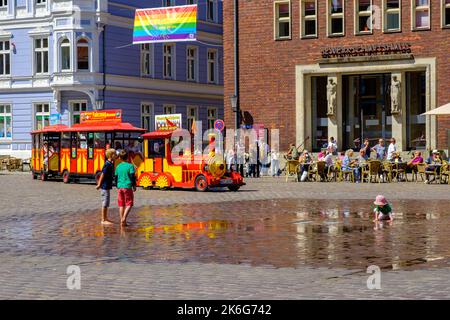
<point>104,65</point>
<point>236,63</point>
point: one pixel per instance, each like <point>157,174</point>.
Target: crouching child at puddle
<point>382,210</point>
<point>105,184</point>
<point>126,185</point>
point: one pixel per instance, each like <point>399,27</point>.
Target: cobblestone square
<point>271,240</point>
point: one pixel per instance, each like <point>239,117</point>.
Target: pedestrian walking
<point>126,185</point>
<point>105,184</point>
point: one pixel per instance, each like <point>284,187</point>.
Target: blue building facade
<point>61,57</point>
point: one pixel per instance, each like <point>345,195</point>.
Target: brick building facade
<point>388,61</point>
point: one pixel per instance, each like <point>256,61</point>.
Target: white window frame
<point>74,113</point>
<point>216,66</point>
<point>188,60</point>
<point>150,114</point>
<point>215,11</point>
<point>87,45</point>
<point>172,61</point>
<point>7,114</point>
<point>305,18</point>
<point>147,50</point>
<point>42,113</point>
<point>277,20</point>
<point>60,54</point>
<point>40,2</point>
<point>414,10</point>
<point>3,4</point>
<point>167,105</point>
<point>189,117</point>
<point>387,11</point>
<point>330,16</point>
<point>42,50</point>
<point>444,6</point>
<point>211,118</point>
<point>358,14</point>
<point>3,54</point>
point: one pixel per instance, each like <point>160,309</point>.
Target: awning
<point>444,110</point>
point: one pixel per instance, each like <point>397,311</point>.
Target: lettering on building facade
<point>366,50</point>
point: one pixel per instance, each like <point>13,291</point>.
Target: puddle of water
<point>279,233</point>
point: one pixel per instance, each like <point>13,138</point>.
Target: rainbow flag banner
<point>166,24</point>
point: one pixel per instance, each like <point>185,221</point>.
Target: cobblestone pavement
<point>272,240</point>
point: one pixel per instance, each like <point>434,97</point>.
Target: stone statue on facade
<point>331,97</point>
<point>395,95</point>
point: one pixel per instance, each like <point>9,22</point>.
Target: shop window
<point>392,15</point>
<point>5,121</point>
<point>282,16</point>
<point>309,18</point>
<point>336,17</point>
<point>363,19</point>
<point>421,14</point>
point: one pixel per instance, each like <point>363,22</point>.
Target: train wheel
<point>201,184</point>
<point>43,176</point>
<point>66,176</point>
<point>233,188</point>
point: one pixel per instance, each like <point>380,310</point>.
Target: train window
<point>82,141</point>
<point>65,140</point>
<point>90,143</point>
<point>156,148</point>
<point>73,152</point>
<point>99,140</point>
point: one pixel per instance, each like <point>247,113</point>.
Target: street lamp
<point>234,101</point>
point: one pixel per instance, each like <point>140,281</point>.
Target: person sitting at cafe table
<point>305,161</point>
<point>380,149</point>
<point>328,158</point>
<point>292,154</point>
<point>417,158</point>
<point>396,158</point>
<point>434,165</point>
<point>322,154</point>
<point>351,165</point>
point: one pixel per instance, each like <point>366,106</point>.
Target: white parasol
<point>443,110</point>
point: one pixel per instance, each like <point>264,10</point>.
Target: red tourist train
<point>78,152</point>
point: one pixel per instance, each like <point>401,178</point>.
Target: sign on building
<point>101,116</point>
<point>165,122</point>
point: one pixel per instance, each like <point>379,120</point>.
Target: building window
<point>168,3</point>
<point>41,2</point>
<point>147,116</point>
<point>336,17</point>
<point>212,66</point>
<point>168,61</point>
<point>42,115</point>
<point>76,108</point>
<point>5,58</point>
<point>309,18</point>
<point>3,3</point>
<point>363,18</point>
<point>65,55</point>
<point>282,20</point>
<point>5,121</point>
<point>169,109</point>
<point>421,14</point>
<point>146,59</point>
<point>83,55</point>
<point>212,117</point>
<point>211,10</point>
<point>192,115</point>
<point>392,15</point>
<point>191,1</point>
<point>41,55</point>
<point>446,13</point>
<point>191,63</point>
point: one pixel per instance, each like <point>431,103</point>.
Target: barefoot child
<point>383,210</point>
<point>126,185</point>
<point>105,183</point>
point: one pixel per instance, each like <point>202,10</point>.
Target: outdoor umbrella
<point>444,110</point>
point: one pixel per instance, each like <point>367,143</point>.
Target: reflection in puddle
<point>280,233</point>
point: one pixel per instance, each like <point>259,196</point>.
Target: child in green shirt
<point>126,185</point>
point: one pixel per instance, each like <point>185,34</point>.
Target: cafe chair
<point>420,171</point>
<point>291,169</point>
<point>372,171</point>
<point>445,172</point>
<point>387,170</point>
